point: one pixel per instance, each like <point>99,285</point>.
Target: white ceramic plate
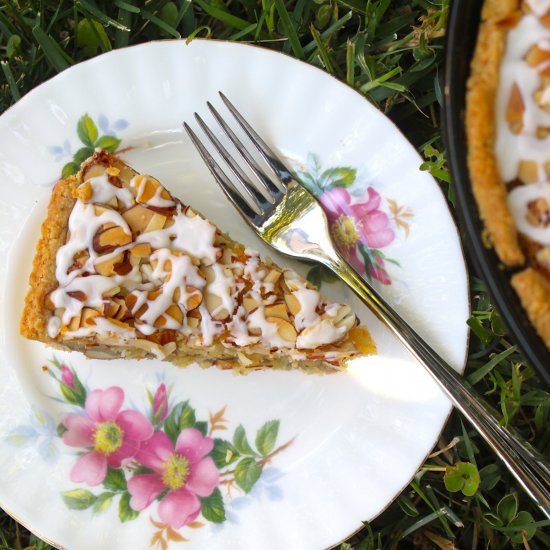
<point>327,452</point>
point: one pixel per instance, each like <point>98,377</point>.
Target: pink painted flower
<point>355,221</point>
<point>160,404</point>
<point>67,376</point>
<point>182,469</point>
<point>111,436</point>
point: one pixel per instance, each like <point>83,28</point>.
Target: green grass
<point>392,52</point>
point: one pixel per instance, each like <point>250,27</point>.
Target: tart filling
<point>137,273</point>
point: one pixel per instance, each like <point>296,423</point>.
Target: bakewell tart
<point>124,269</point>
<point>508,132</point>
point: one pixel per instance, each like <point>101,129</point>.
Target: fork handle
<point>524,463</point>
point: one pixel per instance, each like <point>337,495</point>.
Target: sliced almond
<point>122,312</point>
<point>515,110</point>
<point>146,188</point>
<point>110,239</point>
<point>528,171</point>
<point>284,328</point>
<point>273,276</point>
<point>112,171</point>
<point>84,192</point>
<point>543,257</point>
<point>74,323</point>
<point>293,304</point>
<point>141,250</point>
<point>193,322</point>
<point>214,306</point>
<point>138,218</point>
<point>106,267</point>
<point>112,292</point>
<point>156,222</point>
<point>175,312</point>
<point>78,295</point>
<point>194,299</point>
<point>276,310</point>
<point>87,317</point>
<point>123,268</point>
<point>250,304</point>
<point>111,308</point>
<point>347,322</point>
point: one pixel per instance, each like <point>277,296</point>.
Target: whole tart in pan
<point>508,132</point>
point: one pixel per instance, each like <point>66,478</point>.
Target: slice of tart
<point>124,269</point>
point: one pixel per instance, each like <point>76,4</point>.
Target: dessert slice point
<point>124,269</point>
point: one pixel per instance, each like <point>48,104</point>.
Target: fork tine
<point>224,182</point>
<point>265,181</point>
<point>270,157</point>
<point>258,199</point>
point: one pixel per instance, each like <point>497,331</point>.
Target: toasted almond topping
<point>156,222</point>
<point>293,304</point>
<point>112,171</point>
<point>276,310</point>
<point>78,295</point>
<point>528,171</point>
<point>83,192</point>
<point>138,218</point>
<point>250,304</point>
<point>141,250</point>
<point>87,318</point>
<point>109,239</point>
<point>284,328</point>
<point>515,110</point>
<point>195,298</point>
<point>106,267</point>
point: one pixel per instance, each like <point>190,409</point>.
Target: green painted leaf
<point>320,274</point>
<point>463,476</point>
<point>181,417</point>
<point>507,508</point>
<point>522,522</point>
<point>202,426</point>
<point>223,453</point>
<point>115,480</point>
<point>103,502</point>
<point>266,437</point>
<point>125,513</point>
<point>79,499</point>
<point>82,154</point>
<point>212,507</point>
<point>69,169</point>
<point>341,176</point>
<point>108,143</point>
<point>87,131</point>
<point>247,472</point>
<point>240,442</point>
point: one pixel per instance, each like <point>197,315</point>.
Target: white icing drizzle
<point>83,225</point>
<point>193,235</point>
<point>156,200</point>
<point>511,148</point>
<point>223,286</point>
<point>518,201</point>
<point>239,329</point>
<point>309,301</point>
<point>54,324</point>
<point>319,334</point>
<point>540,7</point>
<point>103,326</point>
<point>209,327</point>
<point>104,191</point>
<point>270,331</point>
<point>93,286</point>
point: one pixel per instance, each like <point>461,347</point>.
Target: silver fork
<point>288,218</point>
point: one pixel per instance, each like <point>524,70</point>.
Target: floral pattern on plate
<point>359,224</point>
<point>165,460</point>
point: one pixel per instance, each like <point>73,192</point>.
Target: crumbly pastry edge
<point>489,189</point>
<point>42,280</point>
<point>534,292</point>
